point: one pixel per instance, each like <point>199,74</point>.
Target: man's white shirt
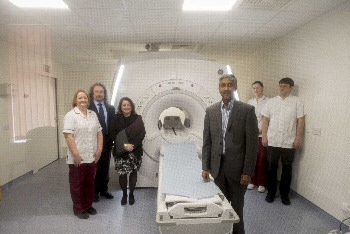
<point>283,115</point>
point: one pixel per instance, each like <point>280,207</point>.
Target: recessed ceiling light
<point>58,4</point>
<point>208,5</point>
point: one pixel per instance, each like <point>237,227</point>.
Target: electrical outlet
<point>316,131</point>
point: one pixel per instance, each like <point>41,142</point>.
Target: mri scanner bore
<point>168,87</point>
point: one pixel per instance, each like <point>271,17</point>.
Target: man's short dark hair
<point>287,80</point>
<point>231,77</point>
<point>258,82</point>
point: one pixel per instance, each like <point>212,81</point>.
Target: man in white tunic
<point>282,131</point>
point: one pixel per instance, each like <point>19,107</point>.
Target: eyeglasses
<point>223,85</point>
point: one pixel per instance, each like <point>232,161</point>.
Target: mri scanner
<point>171,91</point>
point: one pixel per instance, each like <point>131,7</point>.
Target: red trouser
<point>261,167</point>
<point>81,181</point>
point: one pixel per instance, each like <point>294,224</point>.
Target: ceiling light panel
<point>208,5</point>
<point>55,4</point>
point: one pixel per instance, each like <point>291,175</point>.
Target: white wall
<point>22,56</point>
<point>10,167</point>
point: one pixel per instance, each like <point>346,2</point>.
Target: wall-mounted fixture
<point>5,89</point>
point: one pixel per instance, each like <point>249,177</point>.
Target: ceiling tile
<point>313,5</point>
<point>89,29</point>
<point>285,22</point>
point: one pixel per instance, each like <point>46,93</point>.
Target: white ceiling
<point>103,30</point>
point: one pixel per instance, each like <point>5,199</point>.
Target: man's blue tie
<point>102,117</point>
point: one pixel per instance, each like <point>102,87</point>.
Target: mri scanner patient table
<point>185,203</point>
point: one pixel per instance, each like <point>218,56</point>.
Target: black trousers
<point>274,154</point>
<point>234,192</point>
<point>102,173</point>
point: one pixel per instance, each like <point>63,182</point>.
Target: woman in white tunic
<point>83,134</point>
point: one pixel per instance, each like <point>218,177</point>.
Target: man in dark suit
<point>105,113</point>
<point>230,145</point>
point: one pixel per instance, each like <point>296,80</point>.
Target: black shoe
<point>107,195</point>
<point>269,198</point>
<point>96,197</point>
<point>91,211</point>
<point>124,200</point>
<point>286,201</point>
<point>82,215</point>
<point>131,199</point>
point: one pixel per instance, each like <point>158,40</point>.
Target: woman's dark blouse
<point>123,122</point>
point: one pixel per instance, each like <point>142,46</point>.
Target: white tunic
<point>283,115</point>
<point>259,106</point>
<point>84,130</point>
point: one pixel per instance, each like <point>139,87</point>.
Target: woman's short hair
<point>74,103</point>
<point>259,83</point>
